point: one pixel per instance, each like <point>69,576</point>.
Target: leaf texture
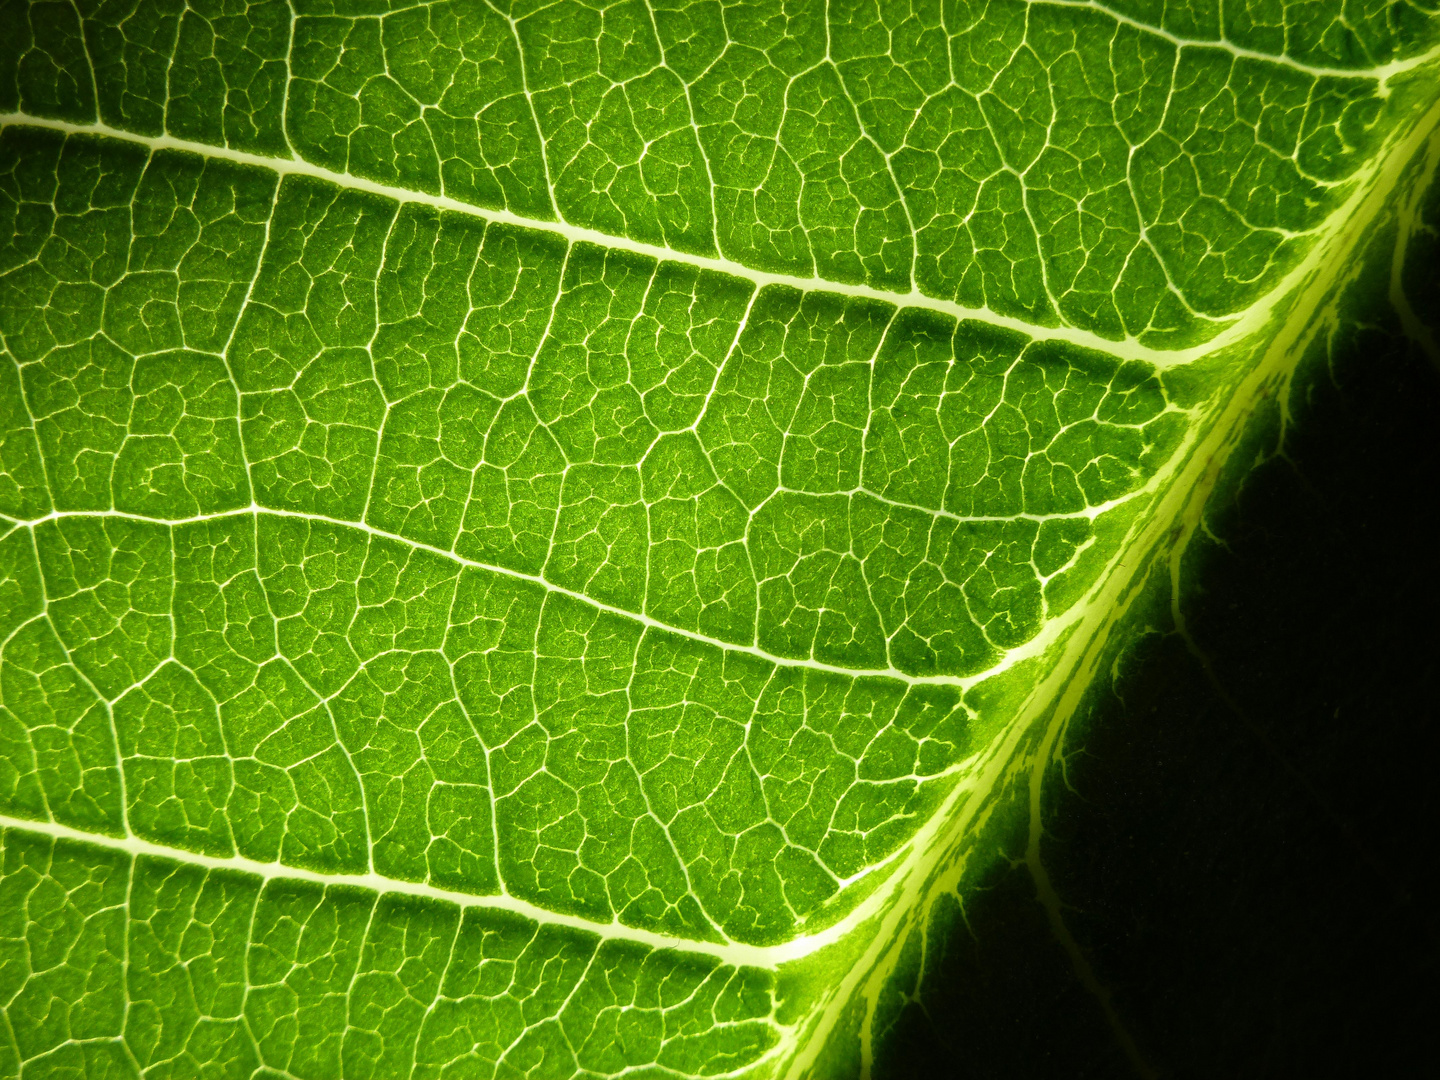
<point>532,532</point>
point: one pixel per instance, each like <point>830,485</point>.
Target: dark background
<point>1246,854</point>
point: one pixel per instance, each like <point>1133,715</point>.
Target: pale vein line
<point>730,952</point>
<point>644,620</point>
<point>1381,73</point>
<point>1128,348</point>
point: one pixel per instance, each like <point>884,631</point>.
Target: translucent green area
<point>525,428</point>
<point>345,532</point>
<point>1132,168</point>
<point>112,966</point>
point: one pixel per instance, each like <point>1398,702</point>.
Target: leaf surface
<point>534,535</point>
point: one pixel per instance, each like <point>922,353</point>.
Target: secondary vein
<point>1129,348</point>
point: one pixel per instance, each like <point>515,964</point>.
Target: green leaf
<point>534,537</point>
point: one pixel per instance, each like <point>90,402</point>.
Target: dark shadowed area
<point>1246,858</point>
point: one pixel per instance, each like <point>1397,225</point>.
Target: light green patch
<point>533,534</point>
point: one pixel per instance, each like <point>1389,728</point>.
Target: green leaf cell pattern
<point>118,964</point>
<point>1137,170</point>
<point>520,523</point>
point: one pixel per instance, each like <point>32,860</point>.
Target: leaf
<point>535,536</point>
